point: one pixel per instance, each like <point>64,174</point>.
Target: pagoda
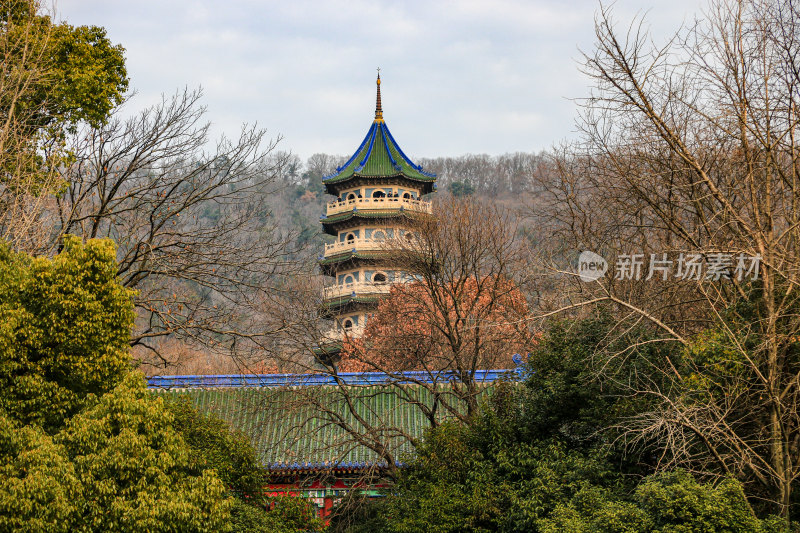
<point>378,191</point>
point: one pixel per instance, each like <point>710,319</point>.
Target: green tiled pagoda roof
<point>377,213</point>
<point>304,424</point>
<point>379,156</point>
<point>349,254</point>
<point>330,265</point>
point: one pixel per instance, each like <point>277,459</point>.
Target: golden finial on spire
<point>378,108</point>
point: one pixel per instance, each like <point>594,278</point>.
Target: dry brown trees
<point>463,313</point>
<point>194,228</point>
<point>691,148</point>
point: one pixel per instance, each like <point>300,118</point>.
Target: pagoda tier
<point>355,217</point>
<point>352,303</point>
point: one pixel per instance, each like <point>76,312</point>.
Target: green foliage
<point>247,518</point>
<point>230,455</point>
<point>293,514</point>
<point>55,78</point>
<point>675,499</point>
<point>461,188</point>
<point>714,365</point>
<point>568,398</point>
<point>134,467</point>
<point>116,466</point>
<point>728,394</point>
<point>88,72</point>
<point>64,331</point>
<point>216,446</point>
<point>538,457</point>
<point>593,509</point>
<point>565,398</point>
<point>672,502</point>
<point>483,478</point>
<point>83,445</point>
<point>77,74</point>
<point>287,514</point>
<point>39,487</point>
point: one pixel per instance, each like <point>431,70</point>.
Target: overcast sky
<point>457,77</point>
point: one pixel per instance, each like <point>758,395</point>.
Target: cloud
<point>461,76</point>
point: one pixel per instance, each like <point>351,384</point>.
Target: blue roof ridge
<point>312,379</point>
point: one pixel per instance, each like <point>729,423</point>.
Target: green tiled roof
<point>329,222</point>
<point>343,301</point>
<point>305,424</point>
<point>349,254</point>
<point>372,213</point>
<point>379,156</point>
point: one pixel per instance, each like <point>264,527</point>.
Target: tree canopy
<point>67,75</point>
<point>465,325</point>
<point>64,333</point>
<point>119,465</point>
<point>542,456</point>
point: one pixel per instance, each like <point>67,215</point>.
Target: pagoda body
<point>378,191</point>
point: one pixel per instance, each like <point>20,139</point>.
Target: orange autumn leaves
<point>463,325</point>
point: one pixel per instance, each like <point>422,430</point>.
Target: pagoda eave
<point>335,185</point>
<point>334,224</point>
<point>327,351</point>
<point>350,304</point>
<point>351,260</point>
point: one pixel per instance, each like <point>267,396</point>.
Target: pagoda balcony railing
<point>338,334</point>
<point>407,243</point>
<point>374,204</point>
<point>358,287</point>
<point>360,244</point>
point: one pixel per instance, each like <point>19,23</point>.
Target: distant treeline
<point>507,174</point>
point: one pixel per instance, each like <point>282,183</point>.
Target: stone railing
<point>369,204</point>
<point>335,334</point>
<point>357,244</point>
<point>358,287</point>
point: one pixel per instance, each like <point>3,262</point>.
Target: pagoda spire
<point>378,108</point>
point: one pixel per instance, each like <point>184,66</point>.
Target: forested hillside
<point>511,179</point>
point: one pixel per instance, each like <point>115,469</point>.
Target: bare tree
<point>29,154</point>
<point>193,224</point>
<point>503,176</point>
<point>463,313</point>
<point>690,148</point>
